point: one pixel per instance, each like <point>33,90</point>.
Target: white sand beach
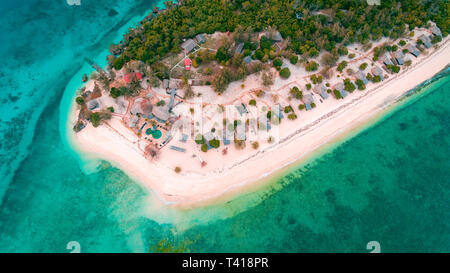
<point>241,169</point>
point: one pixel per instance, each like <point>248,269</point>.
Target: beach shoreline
<point>185,190</point>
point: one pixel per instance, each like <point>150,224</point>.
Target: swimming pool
<point>156,134</point>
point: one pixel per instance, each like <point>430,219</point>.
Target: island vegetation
<point>311,26</point>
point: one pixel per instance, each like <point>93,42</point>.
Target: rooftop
<point>188,45</point>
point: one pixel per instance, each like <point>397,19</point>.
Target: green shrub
<point>285,73</point>
<point>376,79</point>
<point>204,148</point>
<point>293,59</point>
<point>94,118</point>
<point>360,84</point>
<point>287,109</point>
<point>199,139</point>
<point>349,86</point>
<point>295,92</point>
<point>222,55</point>
<point>214,143</point>
<point>341,66</point>
<point>342,51</point>
<point>337,94</point>
<point>394,68</point>
<point>115,93</point>
<point>292,116</point>
<point>79,100</point>
<point>312,66</point>
<point>277,62</point>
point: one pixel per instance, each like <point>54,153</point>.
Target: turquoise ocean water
<point>389,183</point>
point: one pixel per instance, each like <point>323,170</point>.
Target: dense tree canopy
<point>341,22</point>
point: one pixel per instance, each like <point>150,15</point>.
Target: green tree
<point>79,100</point>
<point>349,86</point>
<point>95,119</point>
<point>277,63</point>
<point>222,54</point>
<point>293,59</point>
<point>199,139</point>
<point>215,143</point>
<point>204,147</point>
<point>341,66</point>
<point>312,66</point>
<point>285,73</point>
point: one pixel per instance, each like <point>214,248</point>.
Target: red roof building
<point>132,76</point>
<point>127,78</point>
<point>187,63</point>
<point>138,76</point>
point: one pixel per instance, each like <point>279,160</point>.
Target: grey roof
<point>165,83</point>
<point>387,59</point>
<point>167,139</point>
<point>319,88</point>
<point>278,111</point>
<point>398,55</point>
<point>376,71</point>
<point>308,99</point>
<point>339,86</point>
<point>413,50</point>
<point>178,149</point>
<point>308,106</point>
<point>188,45</point>
<point>141,106</point>
<point>436,31</point>
<point>200,38</point>
<point>228,134</point>
<point>208,136</point>
<point>241,109</point>
<point>161,113</point>
<point>240,132</point>
<point>264,122</point>
<point>426,41</point>
<point>93,104</point>
<point>184,137</point>
<point>239,48</point>
<point>248,59</point>
<point>170,84</point>
<point>133,121</point>
<point>343,93</point>
<point>362,77</point>
<point>277,36</point>
<point>323,94</point>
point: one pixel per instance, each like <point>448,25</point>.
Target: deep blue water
<point>390,183</point>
